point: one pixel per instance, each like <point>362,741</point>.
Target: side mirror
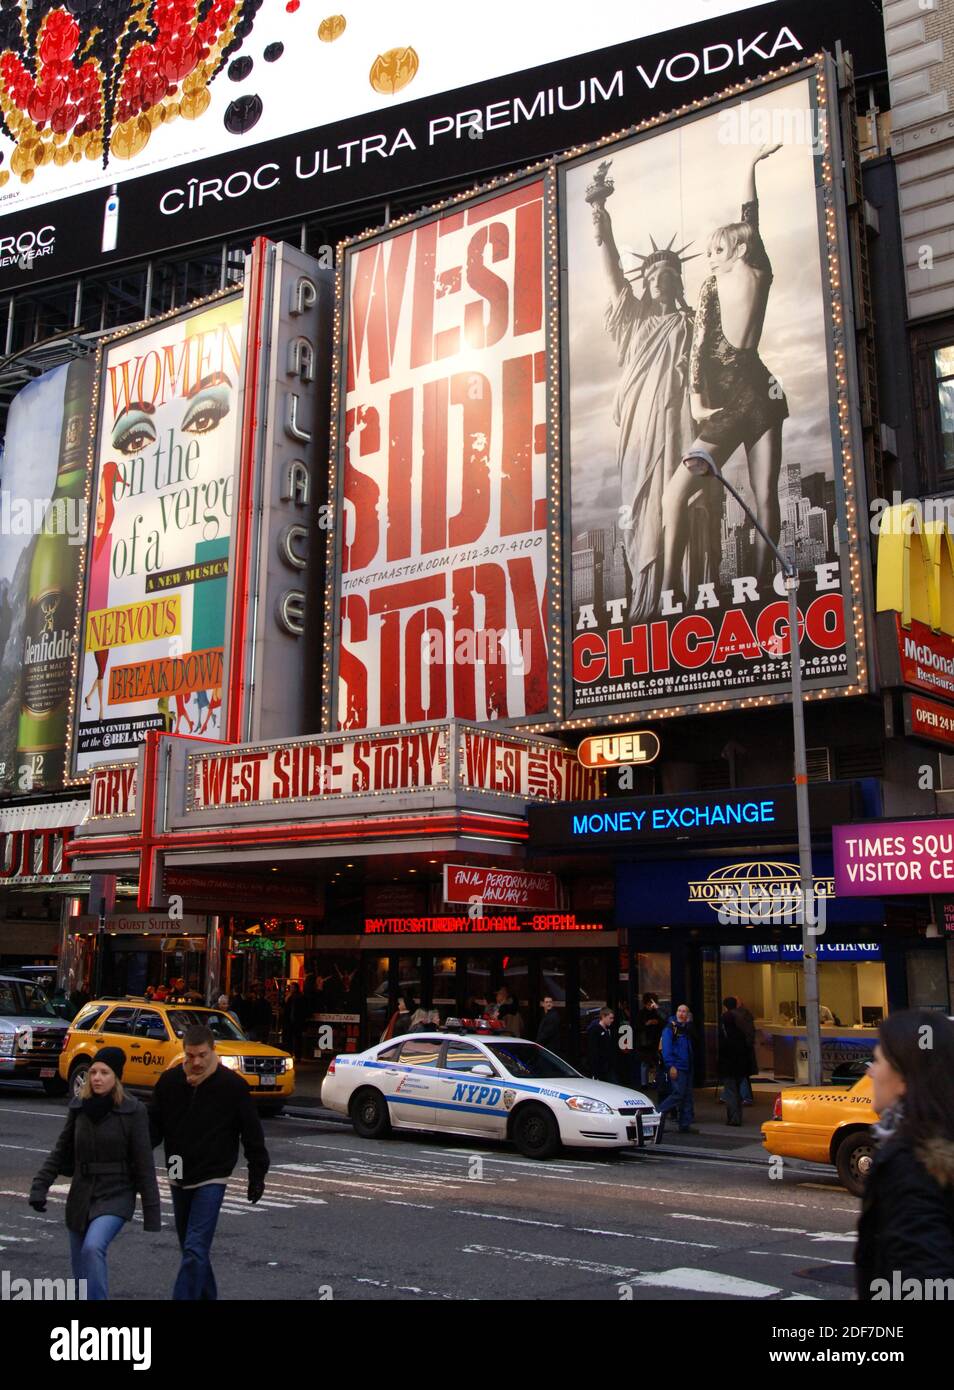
<point>482,1069</point>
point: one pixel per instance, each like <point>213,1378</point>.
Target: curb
<point>301,1112</point>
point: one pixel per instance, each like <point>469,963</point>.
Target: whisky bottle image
<point>50,628</point>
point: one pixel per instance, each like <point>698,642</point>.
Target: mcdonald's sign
<point>915,600</point>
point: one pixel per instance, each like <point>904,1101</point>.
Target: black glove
<point>256,1189</point>
<point>37,1205</point>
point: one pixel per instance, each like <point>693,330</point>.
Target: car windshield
<point>25,1000</point>
<point>528,1060</point>
<point>224,1029</point>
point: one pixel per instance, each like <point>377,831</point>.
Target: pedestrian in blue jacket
<point>677,1061</point>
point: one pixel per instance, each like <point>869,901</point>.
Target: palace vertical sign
<point>442,549</point>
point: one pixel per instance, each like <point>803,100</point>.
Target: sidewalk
<point>714,1140</point>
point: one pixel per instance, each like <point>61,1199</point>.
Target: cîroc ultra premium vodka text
<point>52,604</point>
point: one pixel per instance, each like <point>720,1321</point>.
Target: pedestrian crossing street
<point>678,1245</point>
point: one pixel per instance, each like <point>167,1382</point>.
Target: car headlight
<point>233,1063</point>
<point>591,1106</point>
<point>288,1064</point>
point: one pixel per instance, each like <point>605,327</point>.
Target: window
<point>420,1052</point>
<point>120,1021</point>
<point>464,1057</point>
<point>86,1019</point>
<point>223,1027</point>
<point>528,1061</point>
<point>390,1054</point>
<point>944,378</point>
<point>149,1024</point>
<point>933,352</point>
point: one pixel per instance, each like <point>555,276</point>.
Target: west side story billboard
<point>702,308</point>
<point>133,126</point>
<point>444,496</point>
<point>162,501</point>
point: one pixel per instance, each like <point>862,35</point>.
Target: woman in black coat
<point>106,1150</point>
<point>734,1060</point>
<point>906,1228</point>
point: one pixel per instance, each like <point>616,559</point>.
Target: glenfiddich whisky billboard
<point>42,532</point>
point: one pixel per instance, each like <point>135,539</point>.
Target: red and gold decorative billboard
<point>445,573</point>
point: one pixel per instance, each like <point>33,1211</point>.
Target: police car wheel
<point>369,1114</point>
<point>78,1077</point>
<point>535,1132</point>
<point>853,1160</point>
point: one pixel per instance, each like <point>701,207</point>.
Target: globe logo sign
<point>756,891</point>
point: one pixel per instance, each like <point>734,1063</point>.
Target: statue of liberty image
<point>652,326</point>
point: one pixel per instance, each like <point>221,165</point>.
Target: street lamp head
<point>700,463</point>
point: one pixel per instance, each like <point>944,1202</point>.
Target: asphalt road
<point>424,1218</point>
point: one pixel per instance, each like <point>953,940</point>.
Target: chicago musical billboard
<point>154,620</point>
<point>702,311</point>
<point>442,561</point>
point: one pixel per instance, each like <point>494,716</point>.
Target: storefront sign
<point>333,767</point>
<point>113,791</point>
<point>532,768</point>
<point>825,950</point>
<point>724,895</point>
<point>286,401</point>
<point>320,769</point>
<point>696,817</point>
<point>143,924</point>
<point>894,857</point>
<point>154,621</point>
<point>947,916</point>
<point>672,606</point>
<point>422,926</point>
<point>444,492</point>
<point>514,888</point>
<point>752,891</point>
<point>616,750</point>
<point>33,856</point>
<point>929,719</point>
<point>259,945</point>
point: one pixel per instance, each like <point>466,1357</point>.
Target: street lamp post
<point>701,463</point>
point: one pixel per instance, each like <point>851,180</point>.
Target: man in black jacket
<point>601,1047</point>
<point>548,1029</point>
<point>201,1110</point>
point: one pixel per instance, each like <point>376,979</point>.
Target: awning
<point>43,815</point>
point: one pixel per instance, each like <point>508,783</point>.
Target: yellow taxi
<point>826,1124</point>
<point>150,1034</point>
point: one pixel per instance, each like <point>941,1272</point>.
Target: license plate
<point>47,1071</point>
<point>266,1081</point>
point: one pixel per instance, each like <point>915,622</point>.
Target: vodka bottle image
<point>52,606</point>
<point>111,221</point>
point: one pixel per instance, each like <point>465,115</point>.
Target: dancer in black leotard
<point>735,399</point>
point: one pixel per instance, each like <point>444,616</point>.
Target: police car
<point>497,1087</point>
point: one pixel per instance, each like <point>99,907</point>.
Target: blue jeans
<point>745,1089</point>
<point>197,1212</point>
<point>88,1254</point>
<point>680,1095</point>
